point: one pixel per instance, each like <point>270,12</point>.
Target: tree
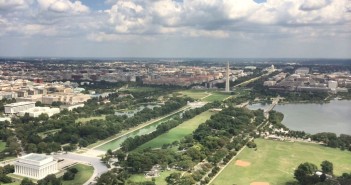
<point>173,178</point>
<point>38,104</point>
<point>323,177</point>
<point>327,167</point>
<point>108,178</point>
<point>50,180</point>
<point>73,170</point>
<point>68,175</point>
<point>120,155</point>
<point>5,179</point>
<point>42,147</point>
<point>345,179</point>
<point>187,180</point>
<point>83,143</point>
<point>27,181</point>
<point>31,148</point>
<point>304,172</point>
<point>8,169</point>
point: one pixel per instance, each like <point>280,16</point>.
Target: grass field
<point>275,162</point>
<point>204,95</point>
<point>159,180</point>
<point>195,94</point>
<point>2,145</point>
<point>84,120</point>
<point>116,143</point>
<point>217,96</point>
<point>84,173</point>
<point>17,182</point>
<point>178,132</point>
<point>141,89</point>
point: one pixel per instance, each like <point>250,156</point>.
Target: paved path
<point>222,168</point>
<point>99,167</point>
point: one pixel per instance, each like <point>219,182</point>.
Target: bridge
<point>271,107</point>
<point>274,103</point>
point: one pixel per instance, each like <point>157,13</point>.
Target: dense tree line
<point>216,140</point>
<point>276,118</point>
<point>309,174</point>
<point>3,173</point>
<point>332,140</point>
<point>31,131</point>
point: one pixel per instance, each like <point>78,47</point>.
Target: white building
<point>14,108</point>
<point>36,166</point>
<point>71,107</point>
<point>332,84</point>
<point>5,119</point>
<point>7,95</point>
<point>269,83</point>
<point>302,70</point>
<point>37,111</point>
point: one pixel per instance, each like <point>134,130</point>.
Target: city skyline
<point>181,28</point>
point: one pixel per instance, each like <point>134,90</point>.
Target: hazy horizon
<point>176,28</point>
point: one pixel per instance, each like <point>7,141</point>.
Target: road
<point>253,79</point>
<point>99,167</point>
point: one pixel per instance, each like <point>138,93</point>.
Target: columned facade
<point>36,166</point>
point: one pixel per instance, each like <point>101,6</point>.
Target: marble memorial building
<point>35,166</point>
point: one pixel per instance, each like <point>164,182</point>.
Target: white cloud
<point>63,6</point>
<point>17,4</point>
<point>222,16</point>
<point>187,18</point>
<point>309,5</point>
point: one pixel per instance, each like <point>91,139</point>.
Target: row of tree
<point>35,138</point>
<point>216,140</point>
<point>132,143</point>
<point>309,174</point>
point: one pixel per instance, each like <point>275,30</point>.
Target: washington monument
<point>227,88</point>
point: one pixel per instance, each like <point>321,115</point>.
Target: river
<point>314,118</point>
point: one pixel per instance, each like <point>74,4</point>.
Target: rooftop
<point>35,157</point>
<point>19,104</point>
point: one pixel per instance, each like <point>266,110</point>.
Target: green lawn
<point>178,132</point>
<point>217,96</point>
<point>159,180</point>
<point>84,173</point>
<point>2,145</point>
<point>44,134</point>
<point>195,94</point>
<point>141,89</point>
<point>14,183</point>
<point>84,120</point>
<point>275,161</point>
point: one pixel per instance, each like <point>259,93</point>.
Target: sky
<point>176,28</point>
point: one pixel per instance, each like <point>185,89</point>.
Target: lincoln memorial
<point>35,166</point>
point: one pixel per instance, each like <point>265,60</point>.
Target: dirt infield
<point>242,164</point>
<point>259,183</point>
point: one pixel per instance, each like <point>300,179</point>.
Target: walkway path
<point>222,168</point>
<point>99,167</point>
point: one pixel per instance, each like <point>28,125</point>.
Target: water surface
<point>314,118</point>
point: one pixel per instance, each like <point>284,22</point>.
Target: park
<point>274,162</point>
